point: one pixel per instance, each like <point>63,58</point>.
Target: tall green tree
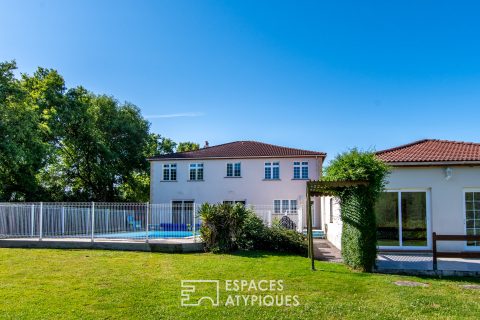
<point>24,142</point>
<point>101,146</point>
<point>71,145</point>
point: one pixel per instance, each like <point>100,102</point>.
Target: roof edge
<point>422,141</point>
<point>403,146</point>
<point>432,163</point>
<point>322,155</point>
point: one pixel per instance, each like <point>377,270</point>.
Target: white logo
<point>210,288</point>
<point>240,292</point>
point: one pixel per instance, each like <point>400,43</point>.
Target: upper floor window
<point>272,170</point>
<point>300,170</point>
<point>170,172</point>
<point>196,171</point>
<point>234,169</point>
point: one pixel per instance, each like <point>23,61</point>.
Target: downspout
<point>151,181</point>
<point>319,167</point>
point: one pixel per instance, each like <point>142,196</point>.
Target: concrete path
<point>325,251</point>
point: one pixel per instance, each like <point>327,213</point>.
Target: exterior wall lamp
<point>448,173</point>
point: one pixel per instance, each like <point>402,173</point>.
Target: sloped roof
<point>239,150</point>
<point>431,150</point>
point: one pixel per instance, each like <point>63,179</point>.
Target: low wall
<point>167,247</point>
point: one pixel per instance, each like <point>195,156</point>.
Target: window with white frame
<point>234,170</point>
<point>293,206</point>
<point>300,170</point>
<point>285,206</point>
<point>272,170</point>
<point>196,171</point>
<point>472,215</point>
<point>170,172</point>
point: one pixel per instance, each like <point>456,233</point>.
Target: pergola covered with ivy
<point>320,189</point>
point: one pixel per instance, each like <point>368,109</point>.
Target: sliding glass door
<point>388,223</point>
<point>402,219</point>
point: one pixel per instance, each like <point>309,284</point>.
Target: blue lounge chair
<point>135,224</point>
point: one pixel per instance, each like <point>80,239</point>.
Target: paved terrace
<point>403,263</point>
<point>422,264</point>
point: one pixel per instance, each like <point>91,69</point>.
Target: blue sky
<point>317,75</point>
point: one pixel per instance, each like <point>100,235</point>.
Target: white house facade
<point>434,186</point>
<point>253,173</point>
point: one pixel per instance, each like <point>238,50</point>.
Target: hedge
<point>359,238</point>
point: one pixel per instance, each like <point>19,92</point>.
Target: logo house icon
<point>194,292</point>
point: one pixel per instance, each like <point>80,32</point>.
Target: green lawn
<point>65,284</point>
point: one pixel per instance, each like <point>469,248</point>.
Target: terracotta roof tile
<point>430,150</point>
<point>239,150</point>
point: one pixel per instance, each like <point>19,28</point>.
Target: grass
<point>66,284</point>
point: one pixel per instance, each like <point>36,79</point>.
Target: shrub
<point>278,238</point>
<point>226,228</point>
<point>253,231</point>
<point>359,239</point>
<point>222,226</point>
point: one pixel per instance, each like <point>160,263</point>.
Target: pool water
<point>143,234</point>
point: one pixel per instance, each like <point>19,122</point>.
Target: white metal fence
<point>110,221</point>
<point>290,219</point>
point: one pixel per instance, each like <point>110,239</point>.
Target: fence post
<point>93,221</point>
<point>40,232</point>
<point>300,220</point>
<point>194,228</point>
<point>146,222</point>
<point>269,218</point>
<point>434,251</point>
<point>32,220</point>
<point>63,220</point>
<point>107,219</point>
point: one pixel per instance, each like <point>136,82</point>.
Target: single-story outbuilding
<point>434,186</point>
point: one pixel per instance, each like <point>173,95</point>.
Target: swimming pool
<point>143,235</point>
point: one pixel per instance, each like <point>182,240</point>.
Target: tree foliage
<point>187,146</point>
<point>23,137</point>
<point>60,144</point>
<point>359,240</point>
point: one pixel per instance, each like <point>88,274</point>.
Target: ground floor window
<point>402,219</point>
<point>472,215</point>
<point>182,211</point>
<point>285,206</point>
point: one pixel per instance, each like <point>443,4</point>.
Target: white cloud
<point>175,115</point>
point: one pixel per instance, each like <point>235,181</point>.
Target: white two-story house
<point>253,173</point>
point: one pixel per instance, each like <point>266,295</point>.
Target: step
<point>318,234</point>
